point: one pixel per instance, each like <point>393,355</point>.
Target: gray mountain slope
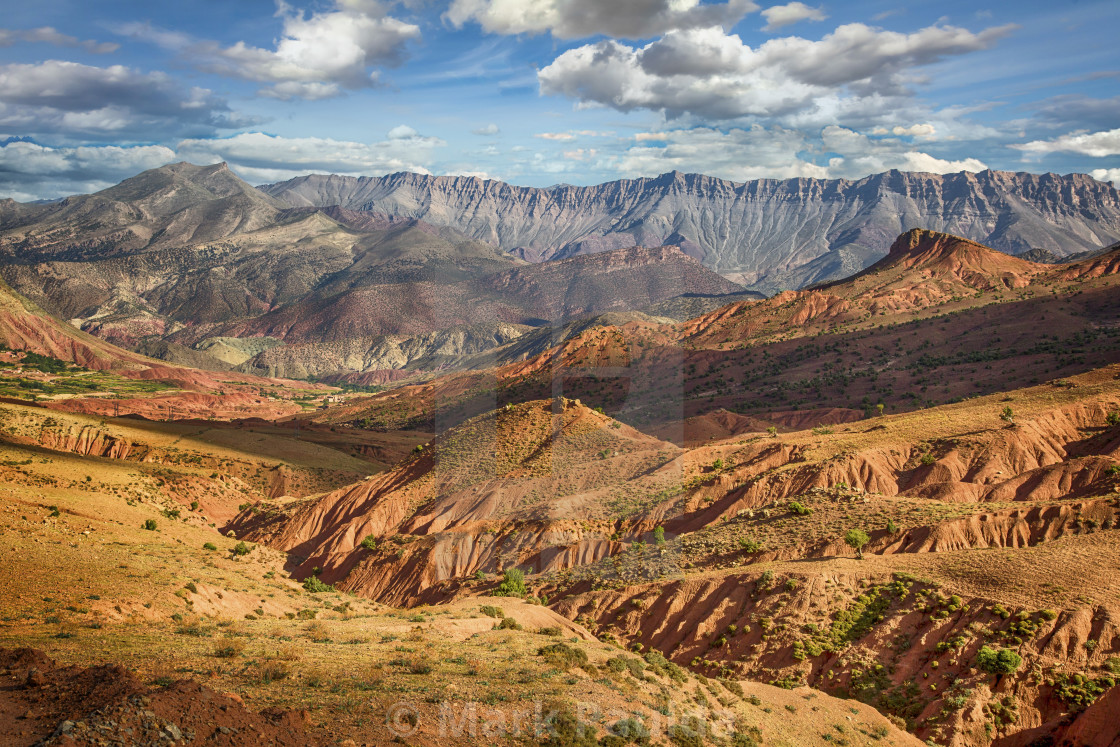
<point>766,234</point>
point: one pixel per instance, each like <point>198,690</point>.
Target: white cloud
<point>924,131</point>
<point>561,136</point>
<point>29,171</point>
<point>860,155</point>
<point>740,154</point>
<point>1097,144</point>
<point>779,16</point>
<point>317,56</point>
<point>48,35</point>
<point>574,19</point>
<point>1107,175</point>
<point>487,130</point>
<point>82,102</point>
<point>711,74</point>
<point>259,158</point>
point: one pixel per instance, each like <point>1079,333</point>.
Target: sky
<point>543,92</point>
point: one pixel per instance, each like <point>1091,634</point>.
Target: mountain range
<point>186,259</point>
<point>767,234</point>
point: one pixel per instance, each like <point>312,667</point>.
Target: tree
<point>879,409</point>
<point>856,539</point>
<point>659,535</point>
<point>1008,415</point>
<point>513,584</point>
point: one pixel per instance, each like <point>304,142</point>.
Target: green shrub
<point>1001,661</point>
<point>659,535</point>
<point>563,656</point>
<point>315,586</point>
<point>491,611</point>
<point>508,623</point>
<point>210,546</point>
<point>1113,418</point>
<point>513,584</point>
<point>748,545</point>
<point>369,542</point>
<point>150,525</point>
<point>796,508</point>
<point>241,549</point>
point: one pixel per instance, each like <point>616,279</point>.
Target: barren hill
<point>767,233</point>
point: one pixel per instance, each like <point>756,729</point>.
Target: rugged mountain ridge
<point>767,234</point>
<point>175,260</point>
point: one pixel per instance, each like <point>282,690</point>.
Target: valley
<point>365,478</point>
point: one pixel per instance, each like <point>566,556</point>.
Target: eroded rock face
<point>767,232</point>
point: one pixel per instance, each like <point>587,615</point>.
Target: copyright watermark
<point>402,719</point>
<point>475,720</point>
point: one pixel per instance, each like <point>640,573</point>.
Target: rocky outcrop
<point>769,233</point>
<point>86,440</point>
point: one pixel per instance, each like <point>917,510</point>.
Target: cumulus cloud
<point>317,56</point>
<point>487,130</point>
<point>81,102</point>
<point>779,16</point>
<point>1107,175</point>
<point>925,131</point>
<point>49,35</point>
<point>859,155</point>
<point>574,19</point>
<point>260,158</point>
<point>1096,144</point>
<point>739,154</point>
<point>714,75</point>
<point>29,171</point>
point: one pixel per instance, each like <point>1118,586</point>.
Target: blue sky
<point>539,92</point>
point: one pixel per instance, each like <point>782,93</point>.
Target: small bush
<point>210,546</point>
<point>491,611</point>
<point>796,508</point>
<point>150,525</point>
<point>748,545</point>
<point>229,648</point>
<point>508,623</point>
<point>1002,661</point>
<point>369,542</point>
<point>273,671</point>
<point>419,666</point>
<point>315,586</point>
<point>241,549</point>
<point>563,656</point>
